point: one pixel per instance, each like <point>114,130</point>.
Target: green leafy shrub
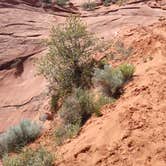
<point>101,101</point>
<point>102,63</point>
<point>29,157</point>
<point>61,2</point>
<point>18,136</point>
<point>90,5</point>
<point>112,79</point>
<point>127,71</point>
<point>70,47</point>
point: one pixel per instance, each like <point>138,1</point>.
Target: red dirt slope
<point>22,26</point>
<point>132,132</point>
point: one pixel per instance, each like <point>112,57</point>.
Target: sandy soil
<point>131,131</point>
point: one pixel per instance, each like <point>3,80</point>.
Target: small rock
<point>43,118</point>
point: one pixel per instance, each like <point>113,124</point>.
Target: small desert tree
<point>66,64</point>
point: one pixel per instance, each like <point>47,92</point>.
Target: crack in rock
<point>17,61</point>
<point>34,98</point>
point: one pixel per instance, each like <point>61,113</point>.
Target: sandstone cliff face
<point>17,2</point>
<point>21,32</point>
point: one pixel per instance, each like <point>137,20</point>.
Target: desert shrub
<point>107,2</point>
<point>112,79</point>
<point>86,71</point>
<point>101,101</point>
<point>100,64</point>
<point>90,5</point>
<point>18,136</point>
<point>61,2</point>
<point>70,112</point>
<point>70,46</point>
<point>127,71</point>
<point>80,104</point>
<point>88,106</point>
<point>60,134</point>
<point>54,102</point>
<point>86,103</point>
<point>29,157</point>
<point>78,107</point>
<point>65,131</point>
